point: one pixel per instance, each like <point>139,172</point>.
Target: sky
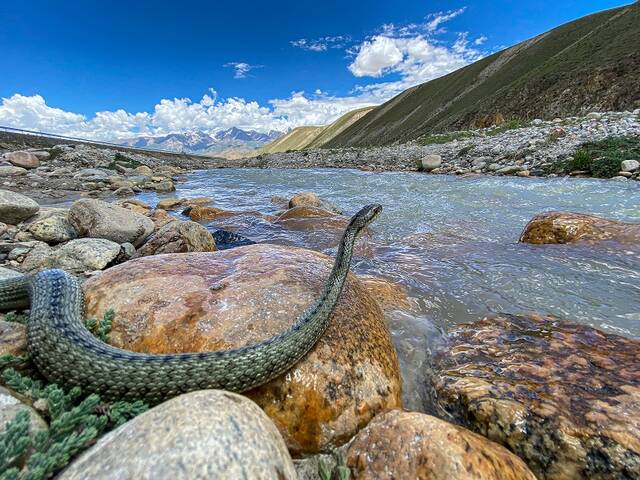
<point>111,69</point>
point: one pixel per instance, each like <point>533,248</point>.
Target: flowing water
<point>453,243</point>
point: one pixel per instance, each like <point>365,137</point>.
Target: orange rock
<point>160,218</point>
<point>169,203</point>
<point>417,446</point>
<point>198,201</point>
<point>566,227</point>
<point>206,213</point>
<point>310,199</point>
<point>134,205</point>
<point>312,218</point>
<point>231,298</point>
<point>389,295</point>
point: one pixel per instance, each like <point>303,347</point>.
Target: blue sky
<point>107,69</point>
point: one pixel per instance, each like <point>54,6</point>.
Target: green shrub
<point>505,127</point>
<point>440,138</point>
<point>123,160</point>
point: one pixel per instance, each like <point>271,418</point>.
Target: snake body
<point>66,353</point>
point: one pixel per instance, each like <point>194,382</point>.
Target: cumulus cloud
<point>241,68</point>
<point>321,44</point>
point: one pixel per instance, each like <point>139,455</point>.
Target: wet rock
<point>564,397</point>
<point>169,203</point>
<point>98,219</point>
<point>137,206</point>
<point>178,237</point>
<point>205,434</point>
<point>389,295</point>
<point>10,405</point>
<point>13,338</point>
<point>408,445</point>
<point>280,201</point>
<point>159,218</point>
<point>14,208</point>
<point>198,201</point>
<point>225,240</point>
<point>52,227</point>
<point>199,213</point>
<point>9,171</point>
<point>431,162</point>
<point>163,186</point>
<point>22,159</point>
<point>566,227</point>
<point>509,170</point>
<point>226,299</point>
<point>124,192</point>
<point>310,199</point>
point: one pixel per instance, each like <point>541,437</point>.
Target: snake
<point>66,353</point>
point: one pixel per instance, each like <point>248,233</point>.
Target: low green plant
<point>123,160</point>
<point>339,472</point>
<point>16,317</point>
<point>75,420</point>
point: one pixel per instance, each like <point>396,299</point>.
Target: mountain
<point>590,64</point>
<point>314,137</point>
<point>202,142</point>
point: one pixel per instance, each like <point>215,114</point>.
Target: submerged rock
<point>228,299</point>
<point>564,397</point>
<point>566,227</point>
<point>98,219</point>
<point>204,434</point>
<point>409,445</point>
<point>310,199</point>
<point>225,240</point>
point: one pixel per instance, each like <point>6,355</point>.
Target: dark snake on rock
<point>66,353</point>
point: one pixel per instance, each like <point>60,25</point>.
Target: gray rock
<point>509,170</point>
<point>85,254</point>
<point>630,165</point>
<point>10,171</point>
<point>98,219</point>
<point>53,228</point>
<point>164,186</point>
<point>94,175</point>
<point>124,192</point>
<point>42,155</point>
<point>619,178</point>
<point>431,162</point>
<point>494,167</point>
<point>178,237</point>
<point>14,207</point>
<point>8,273</point>
<point>199,435</point>
<point>22,159</point>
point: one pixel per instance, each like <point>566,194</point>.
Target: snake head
<point>364,217</point>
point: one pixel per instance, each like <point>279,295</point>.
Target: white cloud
<point>480,40</point>
<point>321,44</point>
<point>436,19</point>
<point>377,56</point>
<point>241,68</point>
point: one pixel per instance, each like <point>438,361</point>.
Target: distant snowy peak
<point>202,142</point>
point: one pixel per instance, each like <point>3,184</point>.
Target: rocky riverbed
<point>506,396</point>
<point>523,149</point>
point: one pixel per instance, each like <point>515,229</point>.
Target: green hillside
<point>332,130</point>
<point>591,64</point>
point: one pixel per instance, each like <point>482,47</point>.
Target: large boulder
<point>11,171</point>
<point>205,434</point>
<point>431,162</point>
<point>228,299</point>
<point>77,256</point>
<point>629,165</point>
<point>14,208</point>
<point>98,219</point>
<point>178,237</point>
<point>408,445</point>
<point>566,227</point>
<point>564,397</point>
<point>26,160</point>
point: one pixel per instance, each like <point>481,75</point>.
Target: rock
<point>619,178</point>
<point>408,445</point>
<point>494,167</point>
<point>198,201</point>
<point>8,273</point>
<point>137,206</point>
<point>10,405</point>
<point>41,155</point>
<point>53,228</point>
<point>389,295</point>
<point>564,397</point>
<point>310,199</point>
<point>629,165</point>
<point>178,237</point>
<point>98,219</point>
<point>94,175</point>
<point>566,227</point>
<point>13,338</point>
<point>431,162</point>
<point>160,218</point>
<point>163,186</point>
<point>306,212</point>
<point>509,170</point>
<point>225,240</point>
<point>143,170</point>
<point>625,174</point>
<point>76,256</point>
<point>227,299</point>
<point>8,171</point>
<point>14,207</point>
<point>279,201</point>
<point>523,173</point>
<point>36,255</point>
<point>206,213</point>
<point>205,434</point>
<point>124,192</point>
<point>22,159</point>
<point>169,203</point>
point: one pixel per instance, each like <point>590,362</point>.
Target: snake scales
<point>66,353</point>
